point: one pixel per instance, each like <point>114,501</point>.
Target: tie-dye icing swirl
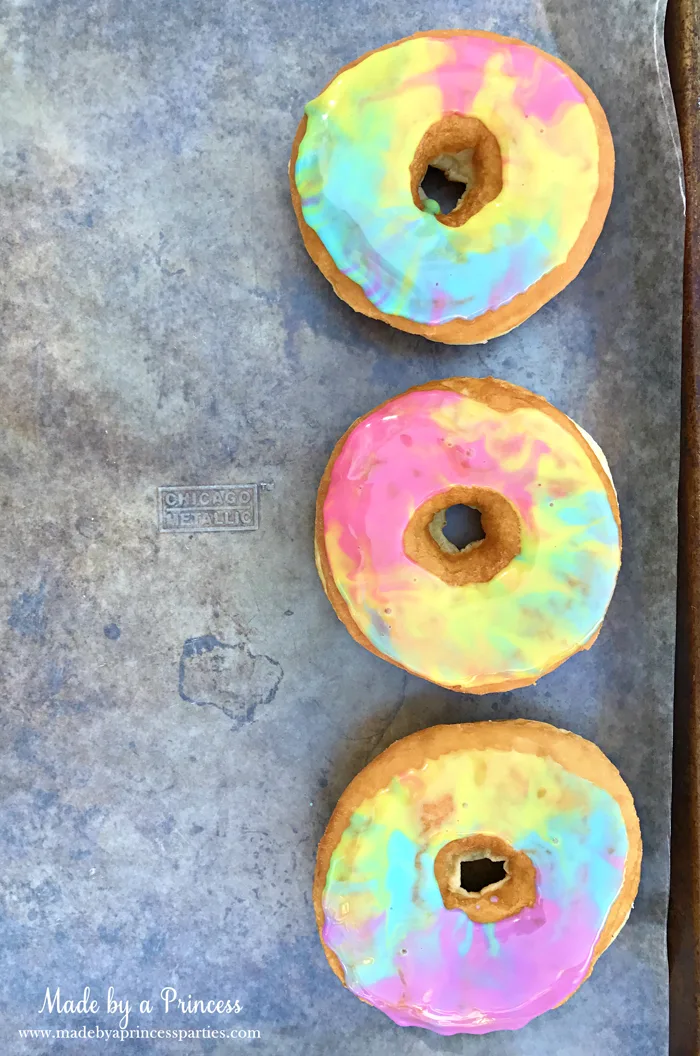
<point>545,605</point>
<point>424,965</point>
<point>352,174</point>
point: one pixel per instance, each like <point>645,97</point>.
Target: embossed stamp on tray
<point>208,508</point>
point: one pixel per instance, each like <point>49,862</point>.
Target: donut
<point>403,918</point>
<point>504,610</point>
<point>518,127</point>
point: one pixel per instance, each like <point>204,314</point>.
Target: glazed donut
<point>516,125</point>
<point>506,609</point>
<point>399,921</point>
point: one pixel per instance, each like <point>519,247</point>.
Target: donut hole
<point>485,877</point>
<point>458,526</point>
<point>440,191</point>
<point>457,169</point>
<point>485,524</point>
<point>477,874</point>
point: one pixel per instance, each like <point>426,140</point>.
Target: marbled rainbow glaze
<point>545,605</point>
<point>426,966</point>
<point>352,174</point>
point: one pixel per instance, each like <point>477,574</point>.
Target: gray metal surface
<point>181,712</point>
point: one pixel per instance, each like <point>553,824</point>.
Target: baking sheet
<point>180,712</point>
